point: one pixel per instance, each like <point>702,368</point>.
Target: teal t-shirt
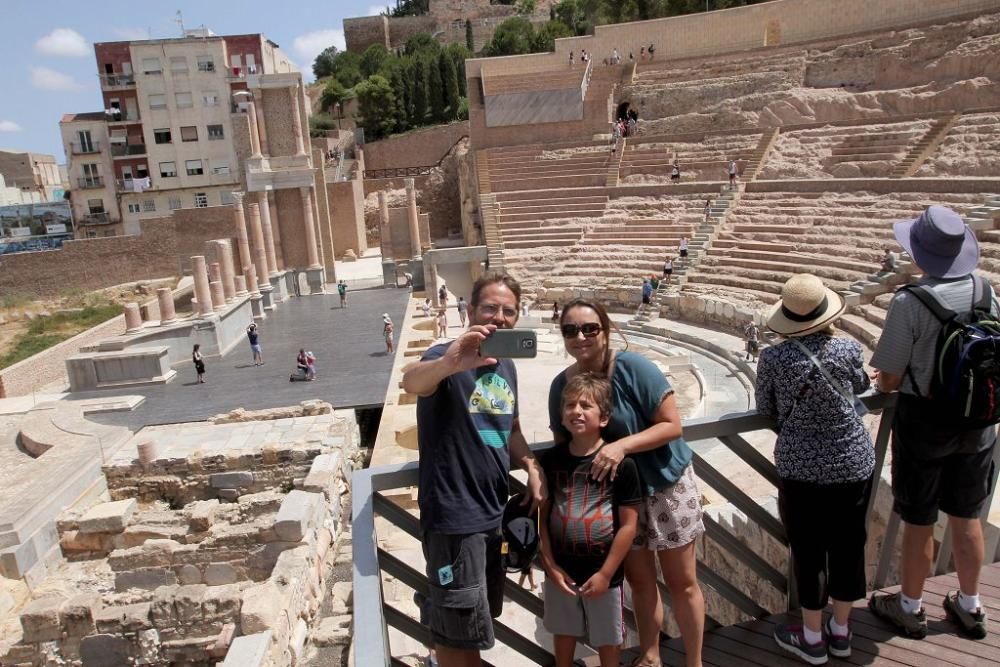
<point>637,389</point>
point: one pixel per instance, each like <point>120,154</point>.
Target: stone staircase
<point>489,210</point>
<point>708,230</point>
<point>615,164</point>
<point>764,146</point>
<point>924,148</point>
<point>483,171</point>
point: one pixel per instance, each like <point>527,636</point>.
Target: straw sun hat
<point>806,305</point>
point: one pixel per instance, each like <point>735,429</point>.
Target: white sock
<point>812,637</point>
<point>909,605</point>
<point>968,602</point>
<point>838,630</point>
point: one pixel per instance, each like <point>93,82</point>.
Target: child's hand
<point>562,580</point>
<point>595,586</point>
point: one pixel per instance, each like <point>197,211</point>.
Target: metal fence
<point>373,616</point>
<point>399,172</point>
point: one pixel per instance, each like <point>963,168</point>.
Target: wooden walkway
<point>751,644</point>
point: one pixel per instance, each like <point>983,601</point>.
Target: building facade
<point>27,178</point>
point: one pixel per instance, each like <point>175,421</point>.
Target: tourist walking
<point>645,425</point>
<point>668,270</point>
<point>751,333</point>
<point>443,295</point>
<point>615,58</point>
<point>555,311</point>
<point>682,249</point>
<point>387,331</point>
<point>468,435</point>
<point>941,461</point>
<point>255,349</point>
<point>199,363</point>
<point>732,174</point>
<point>342,291</point>
<point>442,322</point>
<point>708,209</point>
<point>888,262</point>
<point>571,59</point>
<point>825,459</point>
<point>463,308</point>
<point>675,173</point>
<point>647,291</point>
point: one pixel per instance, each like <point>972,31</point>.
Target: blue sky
<point>48,56</point>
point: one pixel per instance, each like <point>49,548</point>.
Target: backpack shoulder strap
<point>931,301</point>
<point>982,295</point>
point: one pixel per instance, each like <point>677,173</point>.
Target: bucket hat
<point>806,305</point>
<point>940,242</point>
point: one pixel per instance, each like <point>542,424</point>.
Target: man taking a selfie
<point>468,434</point>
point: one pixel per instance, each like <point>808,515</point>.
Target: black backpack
<point>966,378</point>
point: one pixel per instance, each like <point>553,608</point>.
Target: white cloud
<point>63,42</point>
<point>131,34</point>
<point>309,45</point>
<point>44,78</point>
<point>9,126</point>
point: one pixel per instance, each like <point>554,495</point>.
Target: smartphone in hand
<point>510,344</point>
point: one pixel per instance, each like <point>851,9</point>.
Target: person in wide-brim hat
<point>939,242</point>
<point>806,305</point>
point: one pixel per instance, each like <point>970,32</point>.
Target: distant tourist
<point>255,349</point>
<point>342,291</point>
<point>524,308</point>
<point>654,281</point>
<point>708,209</point>
<point>408,277</point>
<point>443,295</point>
<point>584,58</point>
<point>426,307</point>
<point>825,458</point>
<point>631,58</point>
<point>675,173</point>
<point>647,291</point>
<point>645,425</point>
<point>642,54</point>
<point>651,51</point>
<point>751,333</point>
<point>615,58</point>
<point>387,331</point>
<point>682,248</point>
<point>468,435</point>
<point>310,365</point>
<point>555,311</point>
<point>668,270</point>
<point>442,323</point>
<point>888,261</point>
<point>571,61</point>
<point>940,462</point>
<point>199,363</point>
<point>462,307</point>
<point>302,364</point>
<point>732,174</point>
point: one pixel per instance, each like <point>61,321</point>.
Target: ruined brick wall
<point>363,31</point>
<point>278,121</point>
<point>293,235</point>
<point>415,149</point>
<point>347,216</point>
<point>241,145</point>
<point>196,225</point>
<point>404,27</point>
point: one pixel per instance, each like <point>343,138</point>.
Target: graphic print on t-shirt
<point>582,517</point>
<point>492,408</point>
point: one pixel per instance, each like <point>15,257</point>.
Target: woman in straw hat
<point>825,458</point>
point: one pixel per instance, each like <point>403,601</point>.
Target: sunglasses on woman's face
<point>589,330</point>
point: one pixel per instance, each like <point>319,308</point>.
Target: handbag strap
<point>826,374</point>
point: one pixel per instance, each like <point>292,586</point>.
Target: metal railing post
<point>370,630</point>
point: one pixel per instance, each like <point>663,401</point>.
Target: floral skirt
<point>671,517</point>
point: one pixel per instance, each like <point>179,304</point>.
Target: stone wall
<point>278,121</point>
<point>347,216</point>
<point>293,239</point>
<point>363,31</point>
<point>415,149</point>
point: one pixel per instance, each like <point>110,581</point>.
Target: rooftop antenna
<point>180,21</point>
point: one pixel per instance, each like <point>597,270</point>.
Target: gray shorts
<point>596,621</point>
<point>461,611</point>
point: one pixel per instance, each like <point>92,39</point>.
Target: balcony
<point>77,148</point>
<point>120,116</point>
<point>90,182</point>
<point>92,219</point>
<point>123,150</point>
<point>126,185</point>
<point>118,80</point>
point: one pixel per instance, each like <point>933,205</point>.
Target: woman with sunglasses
<point>644,424</point>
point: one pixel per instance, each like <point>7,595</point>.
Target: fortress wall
<point>415,149</point>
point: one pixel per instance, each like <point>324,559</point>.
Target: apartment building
<point>165,138</point>
<point>27,178</point>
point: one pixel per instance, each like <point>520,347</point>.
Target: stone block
<point>74,541</point>
<point>221,603</point>
<point>231,480</point>
<point>162,609</point>
<point>261,605</point>
<point>126,618</point>
<point>138,534</point>
<point>188,574</point>
<point>104,651</point>
<point>219,574</point>
<point>152,553</point>
<point>40,620</point>
<point>343,591</point>
<point>250,650</point>
<point>223,641</point>
<point>145,578</point>
<point>76,616</point>
<point>108,517</point>
<point>228,495</point>
<point>298,513</point>
<point>331,631</point>
<point>202,514</point>
<point>323,475</point>
<point>187,602</point>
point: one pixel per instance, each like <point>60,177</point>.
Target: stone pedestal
<point>218,295</point>
<point>388,272</point>
<point>316,277</point>
<point>165,299</point>
<point>416,267</point>
<point>202,292</point>
<point>257,306</point>
<point>133,318</point>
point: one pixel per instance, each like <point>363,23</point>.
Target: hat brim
<point>938,266</point>
<point>779,324</point>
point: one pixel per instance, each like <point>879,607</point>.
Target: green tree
<point>323,65</point>
<point>463,108</point>
<point>400,90</point>
<point>334,96</point>
<point>346,68</point>
<point>452,95</point>
<point>410,8</point>
<point>436,91</point>
<point>421,44</point>
<point>470,40</point>
<point>377,105</point>
<point>545,37</point>
<point>525,7</point>
<point>511,37</point>
<point>418,75</point>
<point>372,59</point>
<point>459,55</point>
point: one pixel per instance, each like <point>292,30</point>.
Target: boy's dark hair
<point>594,386</point>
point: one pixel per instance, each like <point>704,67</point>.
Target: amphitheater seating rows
<point>701,71</point>
<point>971,148</point>
<point>702,159</point>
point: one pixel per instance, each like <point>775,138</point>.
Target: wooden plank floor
<point>751,644</point>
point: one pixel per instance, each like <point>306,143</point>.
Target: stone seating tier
<point>970,148</point>
<point>722,66</point>
<point>501,84</point>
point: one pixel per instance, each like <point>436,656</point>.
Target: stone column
<point>411,215</point>
<point>228,270</point>
<point>202,291</point>
<point>265,148</point>
<point>300,147</point>
<point>259,246</point>
<point>272,207</point>
<point>310,227</point>
<point>385,233</point>
<point>256,297</point>
<point>133,318</point>
<point>218,295</point>
<point>215,273</point>
<point>165,298</point>
<point>241,230</point>
<point>250,276</point>
<point>254,135</point>
<point>269,268</point>
<point>241,285</point>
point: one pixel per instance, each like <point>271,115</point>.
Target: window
<point>178,65</point>
<point>215,132</point>
<point>194,167</point>
<point>183,100</point>
<point>157,101</point>
<point>174,203</point>
<point>162,136</point>
<point>189,133</point>
<point>134,208</point>
<point>225,197</point>
<point>151,66</point>
<point>209,99</point>
<point>220,168</point>
<point>148,205</point>
<point>95,206</point>
<point>168,170</point>
<point>206,64</point>
<point>200,200</point>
